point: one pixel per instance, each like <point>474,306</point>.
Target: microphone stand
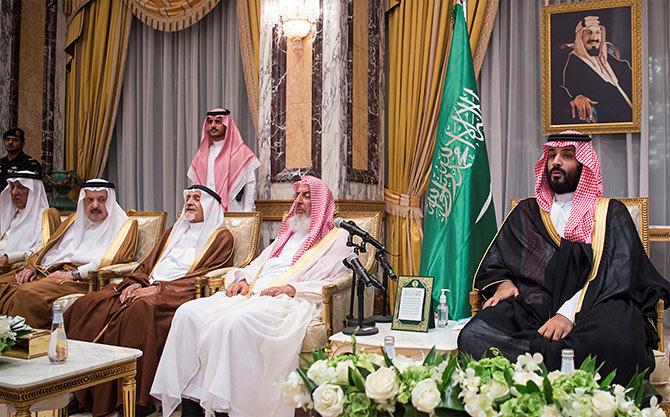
<point>359,326</point>
<point>350,321</point>
<point>385,317</point>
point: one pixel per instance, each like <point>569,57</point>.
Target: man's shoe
<point>190,408</point>
<point>144,410</point>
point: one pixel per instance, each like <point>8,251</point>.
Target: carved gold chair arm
<point>475,301</point>
<point>200,283</point>
<point>106,274</point>
<point>215,285</point>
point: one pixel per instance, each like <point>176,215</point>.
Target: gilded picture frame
<point>575,66</point>
<point>413,282</point>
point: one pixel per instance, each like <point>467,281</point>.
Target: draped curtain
<point>633,165</point>
<point>172,79</point>
<point>249,28</point>
<point>170,16</point>
<point>97,37</point>
<point>418,39</point>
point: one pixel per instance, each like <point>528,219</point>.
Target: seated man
<point>98,234</point>
<point>568,270</point>
<point>227,351</point>
<point>137,312</point>
<point>25,217</point>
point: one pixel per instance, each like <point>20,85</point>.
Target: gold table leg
<point>22,411</point>
<point>128,388</point>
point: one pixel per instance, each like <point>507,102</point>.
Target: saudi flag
<point>459,219</point>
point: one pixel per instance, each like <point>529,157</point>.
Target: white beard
<point>299,223</point>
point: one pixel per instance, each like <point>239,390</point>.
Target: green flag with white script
<point>459,219</point>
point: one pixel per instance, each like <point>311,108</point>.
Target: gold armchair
<point>638,207</point>
<point>151,227</point>
<point>246,229</point>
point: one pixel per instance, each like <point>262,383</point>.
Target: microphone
<point>354,262</point>
<point>353,229</point>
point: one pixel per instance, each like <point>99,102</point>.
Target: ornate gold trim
<point>643,202</point>
<point>658,234</point>
<point>597,245</point>
<point>636,62</point>
<point>40,392</point>
<point>273,210</point>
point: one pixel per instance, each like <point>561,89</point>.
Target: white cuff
<point>18,256</point>
<point>86,268</point>
<point>568,308</point>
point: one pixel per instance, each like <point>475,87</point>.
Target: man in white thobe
<point>225,352</point>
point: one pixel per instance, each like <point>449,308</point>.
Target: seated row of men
<point>566,270</point>
<point>211,352</point>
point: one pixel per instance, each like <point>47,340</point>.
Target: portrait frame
<point>555,52</point>
<point>408,281</point>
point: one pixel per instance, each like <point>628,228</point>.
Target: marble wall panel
<point>10,36</point>
<point>31,74</point>
<point>49,85</point>
<point>299,103</point>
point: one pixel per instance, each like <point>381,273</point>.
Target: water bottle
<point>443,310</point>
<point>58,339</point>
<point>567,361</point>
<point>389,346</point>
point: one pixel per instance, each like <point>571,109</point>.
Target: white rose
<point>328,400</point>
<point>604,403</point>
<point>426,396</point>
<point>295,391</point>
<point>550,411</point>
<point>495,389</point>
<point>321,373</point>
<point>382,385</point>
<point>342,372</point>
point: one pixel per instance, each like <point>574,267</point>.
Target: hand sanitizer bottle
<point>443,310</point>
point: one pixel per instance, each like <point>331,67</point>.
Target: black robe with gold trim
<point>616,318</point>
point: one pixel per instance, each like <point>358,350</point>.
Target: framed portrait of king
<point>592,66</point>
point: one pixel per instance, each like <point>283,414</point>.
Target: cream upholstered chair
<point>246,229</point>
<point>638,207</point>
<point>151,227</point>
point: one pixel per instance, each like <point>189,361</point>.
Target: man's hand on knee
<point>25,275</point>
<point>556,327</point>
<point>505,290</point>
<point>128,291</point>
<point>275,291</point>
<point>238,288</point>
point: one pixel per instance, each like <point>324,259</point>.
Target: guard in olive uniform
<point>16,160</point>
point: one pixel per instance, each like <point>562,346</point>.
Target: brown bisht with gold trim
<point>33,300</point>
<point>144,323</point>
<point>619,290</point>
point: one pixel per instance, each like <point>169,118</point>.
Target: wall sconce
<point>297,17</point>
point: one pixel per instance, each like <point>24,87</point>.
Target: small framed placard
<point>412,307</point>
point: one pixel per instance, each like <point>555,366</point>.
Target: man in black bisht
<point>568,270</point>
<point>16,160</point>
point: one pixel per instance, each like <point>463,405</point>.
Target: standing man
<point>568,270</point>
<point>226,352</point>
<point>16,160</point>
<point>137,312</point>
<point>98,234</point>
<point>224,163</point>
<point>26,221</point>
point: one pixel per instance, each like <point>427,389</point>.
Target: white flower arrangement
<point>10,329</point>
<point>364,384</point>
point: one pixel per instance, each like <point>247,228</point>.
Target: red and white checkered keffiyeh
<point>232,163</point>
<point>589,189</point>
<point>321,217</point>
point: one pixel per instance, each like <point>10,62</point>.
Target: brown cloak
<point>33,300</point>
<point>144,323</point>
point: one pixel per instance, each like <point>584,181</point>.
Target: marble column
<point>321,106</point>
<point>10,30</point>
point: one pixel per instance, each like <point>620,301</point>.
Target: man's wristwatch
<point>75,274</point>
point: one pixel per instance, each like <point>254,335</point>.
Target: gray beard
<point>299,223</point>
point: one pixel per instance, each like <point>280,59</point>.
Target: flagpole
<point>464,3</point>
